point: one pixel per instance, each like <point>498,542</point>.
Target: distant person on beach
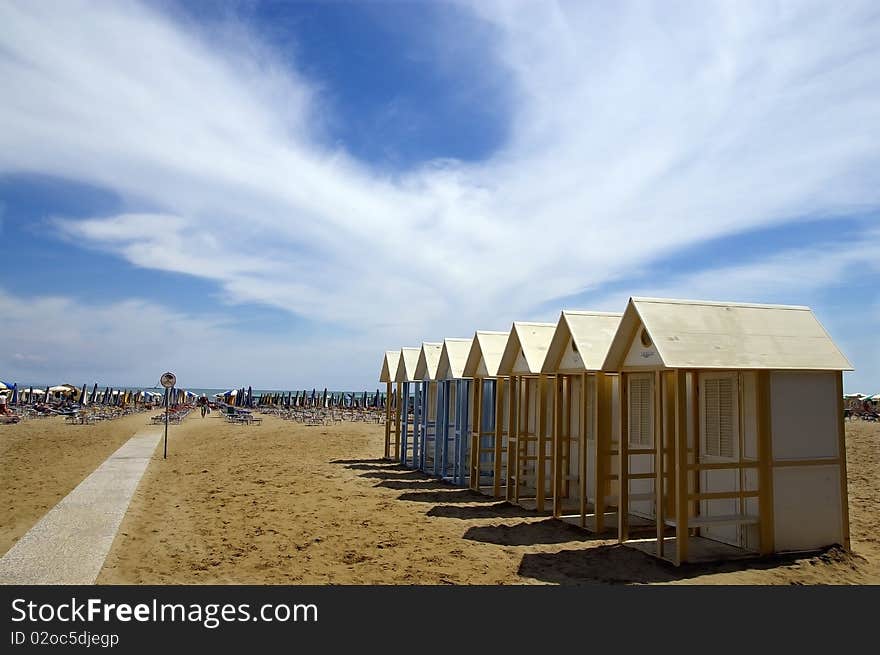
<point>6,414</point>
<point>203,405</point>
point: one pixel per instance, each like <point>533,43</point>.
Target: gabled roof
<point>406,366</point>
<point>389,366</point>
<point>453,358</point>
<point>533,340</point>
<point>429,358</point>
<point>726,335</point>
<point>591,333</point>
<point>487,348</point>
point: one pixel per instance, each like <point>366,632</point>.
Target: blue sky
<point>273,193</point>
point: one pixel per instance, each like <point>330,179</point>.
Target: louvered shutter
<point>719,420</point>
<point>640,410</point>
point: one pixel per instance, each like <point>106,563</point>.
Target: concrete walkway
<point>70,543</point>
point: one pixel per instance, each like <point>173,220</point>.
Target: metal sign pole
<point>167,402</point>
<point>168,380</point>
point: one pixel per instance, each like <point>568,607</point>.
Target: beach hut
<point>387,374</point>
<point>405,376</point>
<point>583,412</point>
<point>488,447</point>
<point>530,422</point>
<point>426,371</point>
<point>732,416</point>
<point>454,405</point>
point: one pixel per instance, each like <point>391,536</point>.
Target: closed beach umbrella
<point>14,400</point>
<point>250,397</point>
<point>94,395</point>
<point>82,395</point>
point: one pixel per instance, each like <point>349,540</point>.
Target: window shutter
<point>640,411</point>
<point>718,416</point>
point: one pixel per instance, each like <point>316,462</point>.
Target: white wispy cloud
<point>56,338</point>
<point>636,129</point>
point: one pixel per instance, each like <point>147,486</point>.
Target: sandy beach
<point>285,503</point>
<point>44,459</point>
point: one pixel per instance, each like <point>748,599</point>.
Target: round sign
<point>168,380</point>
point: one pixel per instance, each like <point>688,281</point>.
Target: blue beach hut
<point>405,376</point>
<point>488,447</point>
<point>426,432</point>
<point>453,402</point>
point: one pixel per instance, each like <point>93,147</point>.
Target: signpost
<point>168,380</point>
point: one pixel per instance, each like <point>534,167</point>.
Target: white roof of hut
<point>526,348</point>
<point>389,366</point>
<point>725,335</point>
<point>453,357</point>
<point>590,335</point>
<point>406,365</point>
<point>429,360</point>
<point>485,354</point>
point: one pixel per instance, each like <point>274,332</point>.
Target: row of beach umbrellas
<point>244,397</point>
<point>109,396</point>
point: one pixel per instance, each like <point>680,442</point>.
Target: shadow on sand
<point>548,531</point>
<point>449,494</point>
<point>494,511</point>
<point>617,564</point>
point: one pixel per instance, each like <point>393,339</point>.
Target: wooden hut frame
<point>392,409</point>
<point>583,437</point>
<point>488,447</point>
<point>426,371</point>
<point>529,458</point>
<point>454,405</point>
<point>407,421</point>
<point>745,404</point>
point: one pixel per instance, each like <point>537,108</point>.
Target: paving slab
<point>70,543</point>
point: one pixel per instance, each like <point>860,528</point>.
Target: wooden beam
<point>659,434</point>
<point>499,436</point>
<point>541,429</point>
<point>765,464</point>
<point>476,433</point>
<point>397,426</point>
<point>601,446</point>
<point>669,440</point>
<point>512,427</point>
<point>556,443</point>
<point>623,464</point>
<point>387,420</point>
<point>681,468</point>
<point>841,454</point>
<point>585,415</point>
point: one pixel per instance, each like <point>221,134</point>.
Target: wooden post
<point>387,420</point>
<point>841,455</point>
<point>669,443</point>
<point>623,464</point>
<point>681,464</point>
<point>499,437</point>
<point>556,445</point>
<point>541,460</point>
<point>765,465</point>
<point>476,434</point>
<point>585,416</point>
<point>397,413</point>
<point>601,447</point>
<point>512,440</point>
<point>659,434</point>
